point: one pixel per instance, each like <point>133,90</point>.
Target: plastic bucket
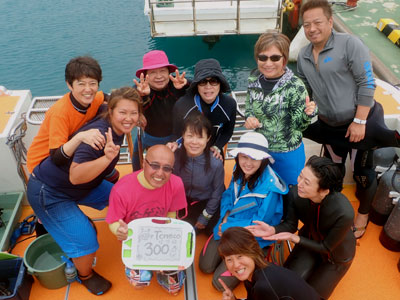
<point>42,259</point>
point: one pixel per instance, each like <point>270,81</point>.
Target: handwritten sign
<point>159,244</point>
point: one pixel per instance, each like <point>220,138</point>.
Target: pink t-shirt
<point>129,200</point>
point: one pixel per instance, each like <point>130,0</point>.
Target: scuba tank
<point>390,234</point>
<point>381,206</point>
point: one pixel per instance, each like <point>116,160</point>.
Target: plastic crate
<point>11,204</point>
<point>12,272</point>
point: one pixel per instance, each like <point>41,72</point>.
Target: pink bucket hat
<point>155,59</point>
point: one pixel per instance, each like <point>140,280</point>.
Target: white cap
<point>254,145</point>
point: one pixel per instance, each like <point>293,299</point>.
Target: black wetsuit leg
<point>326,277</point>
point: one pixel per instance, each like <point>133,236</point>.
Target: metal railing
<point>189,10</point>
<point>38,109</point>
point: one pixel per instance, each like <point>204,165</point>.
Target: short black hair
<point>82,66</point>
<point>328,173</point>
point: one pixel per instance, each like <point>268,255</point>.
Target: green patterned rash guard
<point>280,112</point>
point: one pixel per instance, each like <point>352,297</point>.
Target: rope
<point>17,146</point>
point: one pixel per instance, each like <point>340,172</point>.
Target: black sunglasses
<point>274,58</point>
<point>156,167</point>
<point>212,81</point>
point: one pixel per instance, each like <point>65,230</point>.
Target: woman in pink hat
<point>159,91</point>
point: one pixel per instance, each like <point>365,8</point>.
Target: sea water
<point>39,37</point>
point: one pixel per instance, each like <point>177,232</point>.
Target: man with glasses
<point>206,95</point>
<point>151,192</point>
<point>337,70</point>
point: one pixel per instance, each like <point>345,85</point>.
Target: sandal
<point>363,229</point>
<point>96,284</point>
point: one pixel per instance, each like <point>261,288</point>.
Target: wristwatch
<point>359,121</point>
<point>206,214</point>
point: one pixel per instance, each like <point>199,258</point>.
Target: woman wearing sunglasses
<point>277,105</point>
<point>206,95</point>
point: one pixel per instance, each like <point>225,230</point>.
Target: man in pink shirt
<point>151,192</point>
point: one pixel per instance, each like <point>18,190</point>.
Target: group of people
<point>186,124</point>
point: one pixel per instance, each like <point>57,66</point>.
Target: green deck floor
<point>362,22</point>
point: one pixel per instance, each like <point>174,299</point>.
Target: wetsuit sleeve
<point>228,127</point>
<point>262,291</point>
<point>359,62</point>
<point>291,221</point>
<point>334,237</point>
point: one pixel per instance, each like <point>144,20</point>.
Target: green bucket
<point>42,259</point>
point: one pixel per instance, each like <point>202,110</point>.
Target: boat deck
<point>373,274</point>
<point>362,22</point>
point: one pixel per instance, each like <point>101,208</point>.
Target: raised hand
<point>217,153</point>
<point>261,229</point>
<point>173,146</point>
<point>111,150</point>
<point>310,107</point>
<point>179,81</point>
<point>122,231</point>
<point>93,138</point>
<point>142,85</point>
<point>227,294</point>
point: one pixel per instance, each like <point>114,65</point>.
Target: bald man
<point>151,192</point>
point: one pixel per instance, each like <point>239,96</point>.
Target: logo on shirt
<point>327,59</point>
<point>369,75</point>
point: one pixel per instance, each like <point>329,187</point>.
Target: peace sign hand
<point>227,294</point>
<point>179,81</point>
<point>110,150</point>
<point>142,85</point>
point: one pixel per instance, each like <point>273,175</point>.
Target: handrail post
<point>194,17</point>
<point>238,17</point>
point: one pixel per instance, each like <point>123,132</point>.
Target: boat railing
<point>212,17</point>
<point>39,106</point>
<point>36,114</point>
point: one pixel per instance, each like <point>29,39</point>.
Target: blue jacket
<point>263,203</point>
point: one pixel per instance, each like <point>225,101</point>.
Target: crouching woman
<point>325,246</point>
<point>55,192</point>
<point>255,193</point>
<point>245,260</point>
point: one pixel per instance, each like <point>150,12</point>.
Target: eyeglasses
<point>211,81</point>
<point>156,167</point>
<point>274,58</point>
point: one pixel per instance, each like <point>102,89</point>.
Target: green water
<point>49,259</point>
